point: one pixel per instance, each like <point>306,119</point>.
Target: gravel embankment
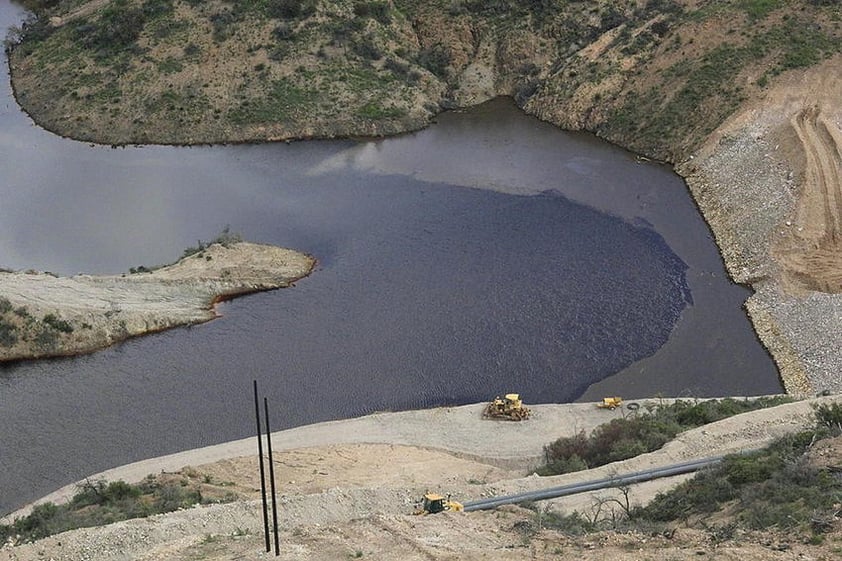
<point>765,183</point>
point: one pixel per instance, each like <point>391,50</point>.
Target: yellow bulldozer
<point>508,407</point>
<point>610,402</point>
<point>615,402</point>
<point>433,503</point>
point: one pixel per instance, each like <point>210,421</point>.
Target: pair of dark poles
<point>263,472</point>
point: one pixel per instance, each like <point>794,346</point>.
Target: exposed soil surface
<point>815,253</point>
<point>356,499</point>
<point>44,315</point>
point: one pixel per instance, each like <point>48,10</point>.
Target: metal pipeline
<point>604,483</point>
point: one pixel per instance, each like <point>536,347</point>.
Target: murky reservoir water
<point>489,253</point>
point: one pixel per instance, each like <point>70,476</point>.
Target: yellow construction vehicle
<point>509,407</point>
<point>433,503</point>
<point>610,402</point>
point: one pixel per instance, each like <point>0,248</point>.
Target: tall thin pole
<point>271,476</point>
<point>262,469</point>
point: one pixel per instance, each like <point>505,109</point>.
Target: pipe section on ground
<point>604,483</point>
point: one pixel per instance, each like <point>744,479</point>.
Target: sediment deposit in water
<point>43,315</point>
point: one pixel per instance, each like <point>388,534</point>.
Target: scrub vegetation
<point>783,486</point>
<point>18,324</point>
<point>98,503</point>
<point>655,76</point>
<point>638,434</point>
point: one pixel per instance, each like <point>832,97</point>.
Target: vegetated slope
<point>657,76</point>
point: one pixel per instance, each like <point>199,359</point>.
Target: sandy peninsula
<point>43,315</point>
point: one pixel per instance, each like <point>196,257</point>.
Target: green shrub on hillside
<point>376,10</point>
<point>436,59</point>
<point>290,9</point>
<point>97,503</point>
<point>8,333</point>
<point>829,416</point>
<point>775,487</point>
<point>629,437</point>
<point>57,323</point>
<point>118,28</point>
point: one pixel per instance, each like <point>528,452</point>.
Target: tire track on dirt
<point>814,257</point>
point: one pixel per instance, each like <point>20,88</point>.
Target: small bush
<point>41,522</point>
<point>290,9</point>
<point>173,497</point>
<point>829,416</point>
<point>8,334</point>
<point>436,59</point>
<point>571,524</point>
<point>222,22</point>
<point>97,503</point>
<point>626,438</point>
<point>283,32</point>
<point>225,238</point>
<point>365,48</point>
<point>46,340</point>
<point>117,28</point>
<point>58,324</point>
<point>157,8</point>
<point>375,10</point>
<point>759,9</point>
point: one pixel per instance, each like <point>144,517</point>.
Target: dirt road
<point>338,498</point>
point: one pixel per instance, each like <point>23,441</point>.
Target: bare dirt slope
<point>355,500</point>
<point>813,253</point>
<point>768,182</point>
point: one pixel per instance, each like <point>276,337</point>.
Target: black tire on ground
<point>633,406</point>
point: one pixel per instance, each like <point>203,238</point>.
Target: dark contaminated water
<point>487,254</point>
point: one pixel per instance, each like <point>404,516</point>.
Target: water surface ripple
<point>489,253</point>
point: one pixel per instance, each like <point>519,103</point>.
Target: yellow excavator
<point>433,503</point>
<point>509,407</point>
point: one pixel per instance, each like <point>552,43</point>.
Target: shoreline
<point>462,433</point>
<point>731,169</point>
<point>449,429</point>
<point>47,316</point>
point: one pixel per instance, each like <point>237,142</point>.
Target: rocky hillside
<point>656,76</point>
<point>741,95</point>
